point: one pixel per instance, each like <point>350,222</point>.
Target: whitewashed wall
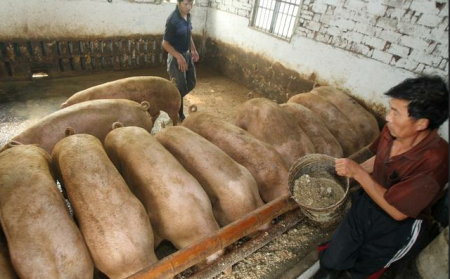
<point>361,46</point>
<point>364,47</point>
<point>53,19</point>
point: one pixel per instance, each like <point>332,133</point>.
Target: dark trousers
<point>185,80</point>
<point>369,240</point>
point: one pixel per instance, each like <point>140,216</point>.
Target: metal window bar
<point>277,17</point>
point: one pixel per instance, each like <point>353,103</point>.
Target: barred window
<point>277,17</point>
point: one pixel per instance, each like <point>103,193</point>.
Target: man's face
<point>400,124</point>
<point>185,7</point>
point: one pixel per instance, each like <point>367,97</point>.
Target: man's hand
<point>347,167</point>
<point>182,65</point>
<point>195,56</point>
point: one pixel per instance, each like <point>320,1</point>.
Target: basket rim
<point>293,171</point>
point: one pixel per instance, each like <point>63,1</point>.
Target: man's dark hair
<point>427,96</point>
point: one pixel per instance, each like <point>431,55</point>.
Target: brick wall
<point>408,34</point>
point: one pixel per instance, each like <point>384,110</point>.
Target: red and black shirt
<point>415,179</point>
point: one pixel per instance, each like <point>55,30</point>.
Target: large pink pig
<point>230,186</point>
<point>358,116</point>
<point>337,123</point>
<point>266,121</point>
<point>324,142</point>
<point>43,239</point>
<point>262,160</point>
<point>93,117</point>
<point>159,92</point>
<point>176,203</point>
<point>113,221</point>
<point>6,268</point>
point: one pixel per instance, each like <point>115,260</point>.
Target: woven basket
<point>319,166</point>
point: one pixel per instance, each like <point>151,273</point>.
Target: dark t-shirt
<point>178,31</point>
<point>415,179</point>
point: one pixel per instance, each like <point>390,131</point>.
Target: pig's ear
<point>192,108</point>
<point>12,144</point>
<point>145,105</point>
<point>116,125</point>
<point>69,131</point>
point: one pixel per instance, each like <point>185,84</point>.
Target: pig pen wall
<point>79,37</point>
<point>362,47</point>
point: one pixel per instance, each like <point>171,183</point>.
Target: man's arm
<point>194,53</point>
<point>349,168</point>
<point>368,165</point>
<point>182,65</point>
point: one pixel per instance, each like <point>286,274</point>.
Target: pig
<point>261,159</point>
<point>337,123</point>
<point>92,117</point>
<point>324,142</point>
<point>266,121</point>
<point>6,268</point>
<point>161,93</point>
<point>178,207</point>
<point>230,187</point>
<point>43,239</point>
<point>114,223</point>
<point>358,116</point>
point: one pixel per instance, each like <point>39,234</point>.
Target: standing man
<point>388,217</point>
<point>179,44</point>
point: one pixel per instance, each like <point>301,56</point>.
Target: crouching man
<point>388,217</point>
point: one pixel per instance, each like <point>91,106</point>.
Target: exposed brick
<point>319,8</point>
<point>307,13</point>
<point>425,6</point>
<point>434,71</point>
<point>356,5</point>
<point>330,10</point>
<point>363,17</point>
<point>381,56</point>
<point>374,42</point>
<point>441,50</point>
<point>307,17</point>
<point>317,17</point>
<point>413,42</point>
<point>422,57</point>
<point>313,25</point>
<point>397,13</point>
<point>430,20</point>
<point>398,50</point>
<point>410,16</point>
<point>243,13</point>
<point>345,24</point>
<point>404,4</point>
<point>352,36</point>
<point>444,9</point>
<point>387,23</point>
<point>414,30</point>
<point>443,65</point>
<point>323,38</point>
<point>326,19</point>
<point>420,68</point>
<point>340,42</point>
<point>362,49</point>
<point>431,47</point>
<point>390,36</point>
<point>333,31</point>
<point>439,34</point>
<point>304,32</point>
<point>405,63</point>
<point>375,8</point>
<point>364,28</point>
